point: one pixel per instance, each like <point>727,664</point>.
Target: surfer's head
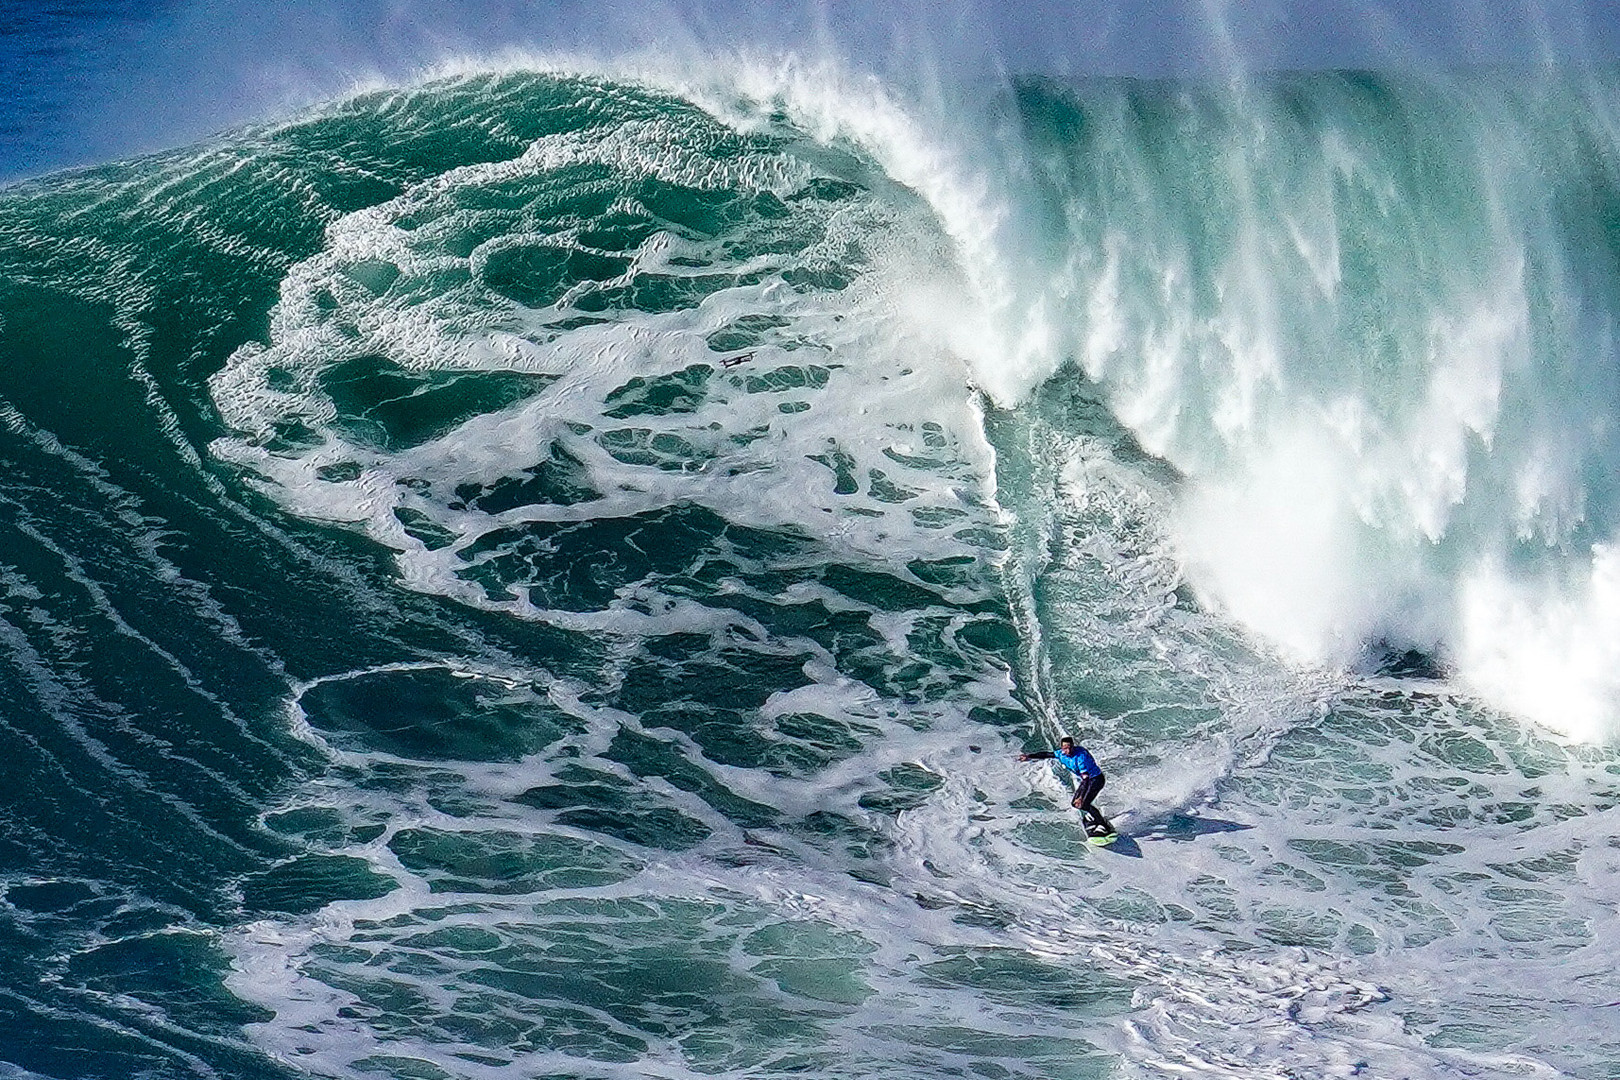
<point>1066,743</point>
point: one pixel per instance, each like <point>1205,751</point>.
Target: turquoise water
<point>546,574</point>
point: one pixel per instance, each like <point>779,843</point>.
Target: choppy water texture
<point>538,574</point>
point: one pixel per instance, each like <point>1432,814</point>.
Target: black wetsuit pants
<point>1085,792</point>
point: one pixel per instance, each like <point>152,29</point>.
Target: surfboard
<point>1105,838</point>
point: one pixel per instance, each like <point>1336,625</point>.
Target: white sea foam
<point>1333,499</point>
<point>1335,877</point>
<point>1243,942</point>
<point>1547,648</point>
<point>1385,386</point>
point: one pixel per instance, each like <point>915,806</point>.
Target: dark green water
<point>517,577</point>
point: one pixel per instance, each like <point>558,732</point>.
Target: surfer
<point>1088,777</point>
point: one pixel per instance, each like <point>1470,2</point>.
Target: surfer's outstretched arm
<point>1039,755</point>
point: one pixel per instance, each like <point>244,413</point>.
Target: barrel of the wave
<point>1088,783</point>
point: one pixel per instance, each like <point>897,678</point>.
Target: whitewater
<point>545,569</point>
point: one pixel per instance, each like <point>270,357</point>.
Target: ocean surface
<point>545,571</point>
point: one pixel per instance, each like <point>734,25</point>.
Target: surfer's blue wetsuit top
<point>1081,763</point>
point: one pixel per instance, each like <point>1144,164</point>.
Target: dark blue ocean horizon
<point>90,81</point>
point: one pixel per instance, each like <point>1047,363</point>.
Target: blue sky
<point>90,80</point>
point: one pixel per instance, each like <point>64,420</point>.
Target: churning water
<point>546,573</point>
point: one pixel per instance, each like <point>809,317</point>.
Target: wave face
<point>1372,320</point>
<point>544,574</point>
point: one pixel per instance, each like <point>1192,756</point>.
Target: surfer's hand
<point>1023,757</point>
